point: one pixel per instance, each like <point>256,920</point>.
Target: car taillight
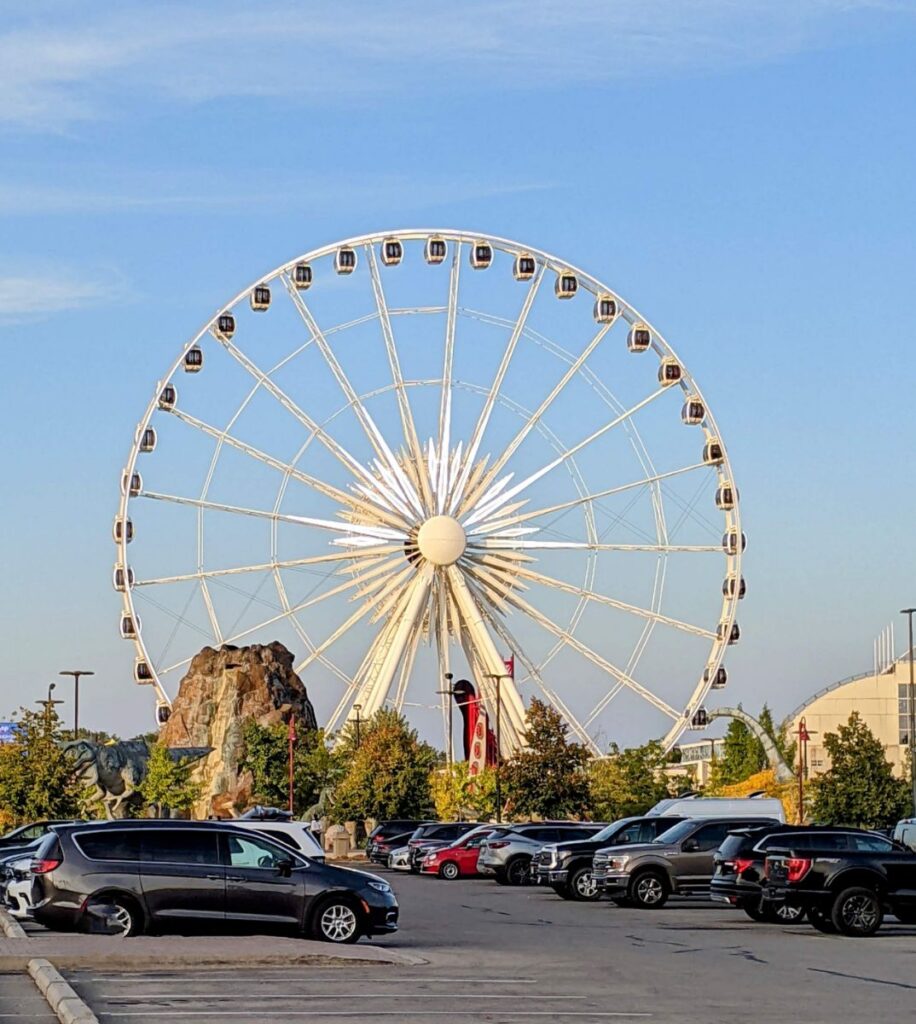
<point>42,867</point>
<point>797,868</point>
<point>742,864</point>
<point>498,845</point>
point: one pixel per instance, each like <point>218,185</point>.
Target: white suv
<point>295,834</point>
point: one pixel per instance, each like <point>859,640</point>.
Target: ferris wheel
<point>408,455</point>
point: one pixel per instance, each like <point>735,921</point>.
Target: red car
<point>458,860</point>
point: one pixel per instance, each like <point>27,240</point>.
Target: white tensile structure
<point>433,465</point>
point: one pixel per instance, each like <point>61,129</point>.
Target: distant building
<point>882,702</point>
<point>696,760</point>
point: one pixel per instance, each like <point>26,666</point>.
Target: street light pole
<point>49,703</point>
<point>498,676</point>
<point>76,673</point>
<point>451,693</point>
<point>909,612</point>
<point>357,708</point>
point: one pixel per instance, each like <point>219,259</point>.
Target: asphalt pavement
<point>507,956</point>
<point>21,1000</point>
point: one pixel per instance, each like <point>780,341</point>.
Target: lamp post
<point>451,693</point>
<point>291,741</point>
<point>49,703</point>
<point>909,612</point>
<point>357,708</point>
<point>76,673</point>
<point>498,676</point>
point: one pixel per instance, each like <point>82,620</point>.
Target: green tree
<point>37,780</point>
<point>859,788</point>
<point>743,755</point>
<point>628,782</point>
<point>385,775</point>
<point>167,785</point>
<point>267,758</point>
<point>457,794</point>
<point>548,776</point>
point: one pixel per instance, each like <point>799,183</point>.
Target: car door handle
<point>214,878</point>
<point>235,878</point>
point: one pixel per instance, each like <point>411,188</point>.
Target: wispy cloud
<point>30,296</point>
<point>101,60</point>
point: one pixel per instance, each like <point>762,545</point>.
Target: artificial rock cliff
<point>222,691</point>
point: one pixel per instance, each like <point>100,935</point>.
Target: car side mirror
<point>690,845</point>
<point>285,867</point>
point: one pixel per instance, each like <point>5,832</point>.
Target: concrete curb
<point>65,1003</point>
<point>10,927</point>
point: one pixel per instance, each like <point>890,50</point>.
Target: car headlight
<point>550,853</point>
<point>380,886</point>
<point>617,863</point>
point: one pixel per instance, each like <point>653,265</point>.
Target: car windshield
<point>677,832</point>
<point>607,832</point>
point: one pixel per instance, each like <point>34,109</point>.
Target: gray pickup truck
<point>680,861</point>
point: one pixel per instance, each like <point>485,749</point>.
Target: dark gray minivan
<point>127,877</point>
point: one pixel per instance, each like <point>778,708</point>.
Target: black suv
<point>126,877</point>
<point>738,878</point>
<point>567,866</point>
<point>387,830</point>
<point>433,835</point>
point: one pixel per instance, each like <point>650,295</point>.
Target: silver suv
<point>506,854</point>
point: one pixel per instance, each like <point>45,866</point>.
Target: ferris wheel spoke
<point>384,454</point>
<point>523,517</point>
<point>358,530</point>
<point>510,544</point>
<point>490,507</point>
<point>480,490</point>
<point>473,447</point>
<point>408,426</point>
<point>603,703</point>
<point>292,563</point>
<point>445,399</point>
<point>594,657</point>
<point>646,613</point>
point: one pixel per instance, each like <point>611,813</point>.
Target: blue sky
<point>742,172</point>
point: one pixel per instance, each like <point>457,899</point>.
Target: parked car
<point>905,833</point>
<point>399,858</point>
<point>507,852</point>
<point>739,863</point>
<point>127,877</point>
<point>385,831</point>
<point>566,866</point>
<point>435,834</point>
<point>679,862</point>
<point>845,891</point>
<point>24,835</point>
<point>458,859</point>
<point>379,850</point>
<point>720,807</point>
<point>295,834</point>
<point>16,887</point>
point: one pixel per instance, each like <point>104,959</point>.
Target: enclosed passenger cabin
<point>733,635</point>
<point>392,252</point>
<point>726,497</point>
<point>481,255</point>
<point>119,530</point>
<point>260,298</point>
<point>694,412</point>
<point>225,326</point>
<point>524,267</point>
<point>168,396</point>
<point>566,285</point>
<point>732,544</point>
<point>120,579</point>
<point>639,338</point>
<point>193,360</point>
<point>163,713</point>
<point>700,719</point>
<point>435,249</point>
<point>142,672</point>
<point>732,586</point>
<point>669,371</point>
<point>132,486</point>
<point>717,679</point>
<point>301,276</point>
<point>147,440</point>
<point>129,627</point>
<point>605,309</point>
<point>712,452</point>
<point>345,260</point>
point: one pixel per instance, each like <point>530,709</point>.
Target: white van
<point>905,833</point>
<point>720,807</point>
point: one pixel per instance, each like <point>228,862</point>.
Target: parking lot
<point>502,954</point>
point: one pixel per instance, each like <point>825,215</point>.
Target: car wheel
<point>449,870</point>
<point>118,916</point>
<point>336,921</point>
<point>649,890</point>
<point>857,911</point>
<point>755,911</point>
<point>517,871</point>
<point>582,886</point>
<point>821,921</point>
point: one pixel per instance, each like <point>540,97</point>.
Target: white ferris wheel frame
<point>396,641</point>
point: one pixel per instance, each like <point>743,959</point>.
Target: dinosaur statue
<point>782,772</point>
<point>115,771</point>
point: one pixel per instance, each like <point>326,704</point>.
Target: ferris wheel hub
<point>441,540</point>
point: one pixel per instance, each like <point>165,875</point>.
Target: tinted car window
<point>631,834</point>
<point>109,845</point>
<point>872,844</point>
<point>677,832</point>
<point>710,837</point>
<point>248,852</point>
<point>180,846</point>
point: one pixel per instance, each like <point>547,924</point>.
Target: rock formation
<point>222,691</point>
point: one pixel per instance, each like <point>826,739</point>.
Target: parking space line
<point>261,1014</point>
<point>139,997</point>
